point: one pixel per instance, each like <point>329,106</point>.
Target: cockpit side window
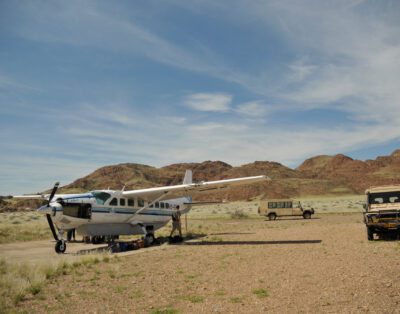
<point>101,197</point>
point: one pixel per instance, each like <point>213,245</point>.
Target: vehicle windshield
<point>101,197</point>
<point>384,198</point>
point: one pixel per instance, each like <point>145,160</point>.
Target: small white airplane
<point>113,213</point>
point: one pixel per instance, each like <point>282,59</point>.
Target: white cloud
<point>253,109</point>
<point>209,102</point>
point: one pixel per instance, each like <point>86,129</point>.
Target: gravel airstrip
<point>248,265</point>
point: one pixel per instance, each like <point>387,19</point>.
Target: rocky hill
<point>320,175</point>
<point>354,175</point>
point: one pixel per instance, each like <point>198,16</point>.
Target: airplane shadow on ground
<point>98,250</point>
<point>196,237</point>
<point>285,219</point>
<point>231,233</point>
<point>251,242</point>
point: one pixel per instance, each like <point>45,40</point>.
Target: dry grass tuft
<point>19,282</point>
<point>15,227</point>
<point>239,214</point>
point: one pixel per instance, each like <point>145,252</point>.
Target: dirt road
<point>242,266</point>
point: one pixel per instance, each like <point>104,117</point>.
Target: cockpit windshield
<point>101,197</point>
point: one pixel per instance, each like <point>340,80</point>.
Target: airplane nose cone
<point>45,209</point>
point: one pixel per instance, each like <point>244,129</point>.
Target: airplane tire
<point>61,246</point>
<point>149,239</point>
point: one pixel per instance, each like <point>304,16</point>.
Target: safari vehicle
<point>382,211</point>
<point>283,207</point>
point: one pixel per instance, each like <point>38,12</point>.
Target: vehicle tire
<point>61,246</point>
<point>370,233</point>
<point>271,216</point>
<point>149,239</point>
<point>307,215</point>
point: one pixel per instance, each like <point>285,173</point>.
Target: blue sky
<point>85,84</point>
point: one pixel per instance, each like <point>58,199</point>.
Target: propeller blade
<point>53,192</point>
<point>51,224</point>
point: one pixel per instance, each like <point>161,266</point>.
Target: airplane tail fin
<point>188,177</point>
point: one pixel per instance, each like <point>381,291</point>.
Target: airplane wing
<point>56,196</point>
<point>184,189</point>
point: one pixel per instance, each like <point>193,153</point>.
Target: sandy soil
<point>242,266</point>
<point>40,252</point>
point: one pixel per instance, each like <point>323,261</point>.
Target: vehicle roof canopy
<point>384,188</point>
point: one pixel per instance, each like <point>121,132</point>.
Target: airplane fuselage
<point>108,212</point>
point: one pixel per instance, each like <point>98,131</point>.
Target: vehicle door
<point>296,210</point>
<point>284,208</point>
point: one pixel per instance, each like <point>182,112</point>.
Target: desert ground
<point>235,262</point>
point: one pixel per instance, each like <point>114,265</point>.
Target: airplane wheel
<point>61,246</point>
<point>149,239</point>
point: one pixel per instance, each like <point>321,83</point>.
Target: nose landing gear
<point>61,246</point>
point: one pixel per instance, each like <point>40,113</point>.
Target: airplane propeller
<point>60,245</point>
<point>53,192</point>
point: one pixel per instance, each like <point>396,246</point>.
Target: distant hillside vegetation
<point>320,175</point>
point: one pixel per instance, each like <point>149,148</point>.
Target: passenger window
<point>166,205</point>
<point>162,205</point>
<point>288,204</point>
<point>131,202</point>
<point>140,202</point>
<point>122,202</point>
<point>152,205</point>
<point>114,202</point>
<point>273,205</point>
<point>157,205</point>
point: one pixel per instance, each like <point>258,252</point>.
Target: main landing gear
<point>149,238</point>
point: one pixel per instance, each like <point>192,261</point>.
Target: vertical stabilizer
<point>188,177</point>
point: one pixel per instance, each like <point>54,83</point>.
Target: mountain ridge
<point>316,176</point>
